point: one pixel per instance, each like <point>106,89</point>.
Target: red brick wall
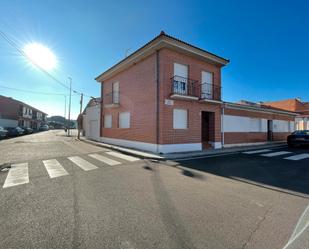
<point>255,114</point>
<point>137,87</point>
<point>253,137</point>
<point>168,135</point>
<point>9,108</point>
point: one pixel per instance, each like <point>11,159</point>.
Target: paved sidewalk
<point>183,155</point>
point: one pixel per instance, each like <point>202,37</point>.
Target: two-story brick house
<point>16,113</point>
<point>165,97</point>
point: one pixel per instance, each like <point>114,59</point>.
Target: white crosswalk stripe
<point>122,156</point>
<point>82,163</point>
<point>256,151</point>
<point>298,157</point>
<point>104,159</point>
<point>278,153</point>
<point>18,174</point>
<point>54,168</point>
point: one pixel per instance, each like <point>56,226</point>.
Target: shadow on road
<point>274,173</point>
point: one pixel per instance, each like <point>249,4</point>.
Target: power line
<point>15,46</point>
<point>29,91</point>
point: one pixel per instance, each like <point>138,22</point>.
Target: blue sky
<point>266,41</point>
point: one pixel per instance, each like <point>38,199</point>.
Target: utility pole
<point>65,108</point>
<point>80,112</point>
<point>70,105</point>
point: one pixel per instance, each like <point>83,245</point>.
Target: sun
<point>40,55</point>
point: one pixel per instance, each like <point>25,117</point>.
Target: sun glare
<point>40,55</point>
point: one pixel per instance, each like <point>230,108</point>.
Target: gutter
<point>158,99</point>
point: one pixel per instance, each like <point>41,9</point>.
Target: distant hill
<point>59,120</point>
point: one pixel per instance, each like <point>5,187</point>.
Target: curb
<point>124,150</point>
<point>127,151</point>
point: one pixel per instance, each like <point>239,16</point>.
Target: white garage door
<point>94,129</point>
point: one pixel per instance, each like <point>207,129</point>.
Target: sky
<point>267,43</point>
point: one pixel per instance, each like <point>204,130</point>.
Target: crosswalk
<point>18,174</point>
<point>288,155</point>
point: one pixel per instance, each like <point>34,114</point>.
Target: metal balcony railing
<point>210,91</point>
<point>111,98</point>
<point>184,86</point>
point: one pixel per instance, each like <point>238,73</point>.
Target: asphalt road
<point>232,201</point>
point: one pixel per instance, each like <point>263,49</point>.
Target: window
<point>116,92</point>
<point>180,119</point>
<point>124,120</point>
<point>207,85</point>
<point>108,121</point>
<point>180,78</point>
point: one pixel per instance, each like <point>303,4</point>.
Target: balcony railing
<point>184,86</point>
<point>111,98</point>
<point>210,91</point>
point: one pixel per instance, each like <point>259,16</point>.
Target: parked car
<point>27,130</point>
<point>298,138</point>
<point>3,132</point>
<point>14,131</point>
<point>44,128</point>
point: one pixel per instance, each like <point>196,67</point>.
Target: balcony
<point>184,88</point>
<point>111,99</point>
<point>210,92</point>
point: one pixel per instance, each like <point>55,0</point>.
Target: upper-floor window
<point>207,87</point>
<point>180,82</point>
<point>115,92</point>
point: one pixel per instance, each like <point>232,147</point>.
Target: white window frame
<point>178,115</point>
<point>181,80</point>
<point>108,121</point>
<point>115,92</point>
<point>124,120</point>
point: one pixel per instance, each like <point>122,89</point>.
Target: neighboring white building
<point>91,119</point>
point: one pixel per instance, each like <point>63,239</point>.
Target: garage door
<point>94,129</point>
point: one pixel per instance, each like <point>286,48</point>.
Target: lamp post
<point>70,79</point>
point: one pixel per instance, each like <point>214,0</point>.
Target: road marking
<point>104,159</point>
<point>278,153</point>
<point>302,225</point>
<point>256,151</point>
<point>18,174</point>
<point>122,156</point>
<point>82,163</point>
<point>54,168</point>
<point>298,157</point>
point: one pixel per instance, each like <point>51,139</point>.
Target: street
<point>65,193</point>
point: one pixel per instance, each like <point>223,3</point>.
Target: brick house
<point>166,97</point>
<point>16,113</point>
<point>294,105</point>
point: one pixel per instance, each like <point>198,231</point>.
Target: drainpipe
<point>222,126</point>
<point>158,100</point>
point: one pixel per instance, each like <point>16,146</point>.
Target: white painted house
<point>91,119</point>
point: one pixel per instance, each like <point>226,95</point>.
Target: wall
<point>137,87</point>
<point>8,122</point>
<point>91,123</point>
<point>242,126</point>
<point>192,135</point>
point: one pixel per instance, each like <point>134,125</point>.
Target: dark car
<point>27,130</point>
<point>3,132</point>
<point>14,131</point>
<point>44,128</point>
<point>298,138</point>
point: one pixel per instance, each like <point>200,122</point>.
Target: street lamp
<point>70,79</point>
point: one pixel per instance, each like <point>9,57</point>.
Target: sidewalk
<point>182,155</point>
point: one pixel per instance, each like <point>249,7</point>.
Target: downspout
<point>222,126</point>
<point>101,111</point>
<point>158,101</point>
